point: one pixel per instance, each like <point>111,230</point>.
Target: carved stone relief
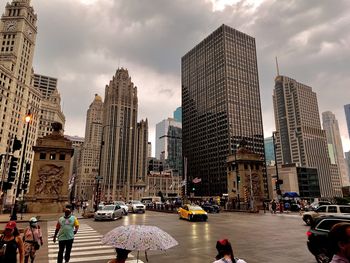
<point>49,180</point>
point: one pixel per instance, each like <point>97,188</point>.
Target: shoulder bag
<point>35,243</point>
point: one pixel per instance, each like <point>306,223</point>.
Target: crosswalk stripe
<point>97,241</point>
<point>83,248</point>
<point>86,242</point>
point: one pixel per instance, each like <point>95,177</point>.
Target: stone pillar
<point>48,191</point>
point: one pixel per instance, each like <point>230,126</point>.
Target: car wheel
<point>308,220</point>
<point>189,218</point>
<point>124,212</point>
<point>143,211</point>
<point>322,258</point>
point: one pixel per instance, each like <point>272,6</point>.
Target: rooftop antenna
<point>278,70</point>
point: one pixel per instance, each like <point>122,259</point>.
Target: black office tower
<point>221,107</point>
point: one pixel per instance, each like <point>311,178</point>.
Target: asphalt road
<point>255,237</point>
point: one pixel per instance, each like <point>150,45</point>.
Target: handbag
<point>35,243</point>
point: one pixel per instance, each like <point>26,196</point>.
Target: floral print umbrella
<point>139,237</point>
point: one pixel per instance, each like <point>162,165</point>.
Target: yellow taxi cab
<point>192,212</point>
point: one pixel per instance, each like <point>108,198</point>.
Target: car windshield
<point>108,207</point>
<point>195,208</point>
<point>120,203</point>
<point>136,202</point>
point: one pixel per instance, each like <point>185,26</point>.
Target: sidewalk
<point>4,218</point>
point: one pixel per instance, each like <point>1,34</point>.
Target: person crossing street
<point>32,239</point>
<point>66,227</point>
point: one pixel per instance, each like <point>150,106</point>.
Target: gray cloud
<point>83,45</point>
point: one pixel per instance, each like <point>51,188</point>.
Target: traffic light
<point>17,145</point>
<point>12,169</point>
<point>26,177</point>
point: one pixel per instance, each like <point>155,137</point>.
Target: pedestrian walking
<point>225,253</point>
<point>122,256</point>
<point>273,206</point>
<point>33,239</point>
<point>339,237</point>
<point>66,227</point>
<point>287,207</point>
<point>11,244</point>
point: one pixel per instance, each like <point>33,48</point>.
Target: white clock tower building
<point>18,96</point>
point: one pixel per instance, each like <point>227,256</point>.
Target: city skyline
<point>98,46</point>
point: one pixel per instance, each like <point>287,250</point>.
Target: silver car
<point>109,212</point>
<point>123,206</point>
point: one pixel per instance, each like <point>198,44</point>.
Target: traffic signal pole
<point>3,175</point>
<point>20,174</point>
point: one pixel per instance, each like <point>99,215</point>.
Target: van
<point>149,200</point>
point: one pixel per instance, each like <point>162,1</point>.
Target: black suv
<point>211,208</point>
<point>317,242</point>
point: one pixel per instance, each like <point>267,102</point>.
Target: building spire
<point>277,68</point>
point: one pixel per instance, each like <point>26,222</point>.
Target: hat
<point>33,220</point>
<point>11,225</point>
<point>223,247</point>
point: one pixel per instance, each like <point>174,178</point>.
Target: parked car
<point>317,242</point>
<point>123,206</point>
<point>109,212</point>
<point>192,212</point>
<point>136,206</point>
<point>211,208</point>
<point>309,217</point>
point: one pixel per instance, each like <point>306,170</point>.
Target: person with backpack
<point>10,243</point>
<point>225,253</point>
<point>33,239</point>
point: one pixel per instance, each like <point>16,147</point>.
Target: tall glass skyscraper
<point>269,151</point>
<point>347,116</point>
<point>178,114</point>
<point>169,144</point>
<point>220,106</point>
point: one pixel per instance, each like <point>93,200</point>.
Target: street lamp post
<point>278,189</point>
<point>237,176</point>
<point>98,177</point>
<point>19,181</point>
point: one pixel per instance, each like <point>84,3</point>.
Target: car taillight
<point>308,233</point>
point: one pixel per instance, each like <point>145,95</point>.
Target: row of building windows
<point>52,156</point>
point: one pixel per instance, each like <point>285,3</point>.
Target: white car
<point>123,206</point>
<point>136,206</point>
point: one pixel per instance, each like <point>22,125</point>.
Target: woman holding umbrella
<point>139,238</point>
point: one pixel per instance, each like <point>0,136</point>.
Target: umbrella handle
<point>146,255</point>
<point>137,256</point>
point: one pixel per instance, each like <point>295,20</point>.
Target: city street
<point>255,238</point>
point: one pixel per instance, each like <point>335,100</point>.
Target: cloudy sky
<point>83,42</point>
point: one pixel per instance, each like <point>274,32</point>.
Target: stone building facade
<point>48,190</point>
